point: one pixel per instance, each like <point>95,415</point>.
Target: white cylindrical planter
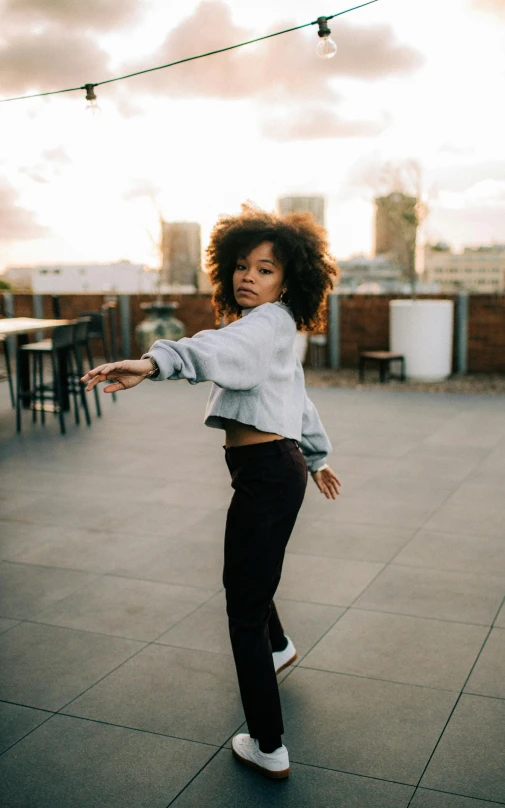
<point>422,330</point>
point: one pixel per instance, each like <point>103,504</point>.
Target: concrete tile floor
<point>117,686</point>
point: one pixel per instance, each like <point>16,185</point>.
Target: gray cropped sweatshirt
<point>257,377</point>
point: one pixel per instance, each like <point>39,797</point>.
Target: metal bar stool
<point>98,330</point>
<point>82,351</point>
<point>64,365</point>
<point>110,309</point>
<point>7,374</point>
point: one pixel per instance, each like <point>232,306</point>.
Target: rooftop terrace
<point>117,683</point>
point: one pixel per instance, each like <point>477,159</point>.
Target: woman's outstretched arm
<point>121,375</point>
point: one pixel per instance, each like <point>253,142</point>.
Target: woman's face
<point>261,274</point>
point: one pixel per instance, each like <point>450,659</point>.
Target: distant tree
<point>6,287</point>
<point>399,195</point>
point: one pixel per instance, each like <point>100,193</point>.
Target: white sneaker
<point>284,658</point>
<point>274,764</point>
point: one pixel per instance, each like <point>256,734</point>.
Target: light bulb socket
<point>90,92</point>
<point>323,27</point>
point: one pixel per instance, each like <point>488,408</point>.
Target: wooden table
<point>21,327</point>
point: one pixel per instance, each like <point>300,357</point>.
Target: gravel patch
<point>488,383</point>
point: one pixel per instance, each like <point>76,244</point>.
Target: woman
<point>275,273</point>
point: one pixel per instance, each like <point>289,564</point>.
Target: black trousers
<point>269,480</point>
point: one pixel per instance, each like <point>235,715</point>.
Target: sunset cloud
<point>52,164</point>
<point>140,187</point>
<point>285,67</point>
<point>496,7</point>
<point>314,123</point>
<point>49,60</point>
<point>17,223</point>
<point>97,15</point>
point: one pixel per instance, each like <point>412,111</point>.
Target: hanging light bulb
<point>92,103</point>
<point>326,47</point>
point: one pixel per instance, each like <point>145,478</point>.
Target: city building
<point>476,269</point>
<point>181,254</point>
<point>120,277</point>
<point>379,275</point>
<point>314,204</point>
<point>20,278</point>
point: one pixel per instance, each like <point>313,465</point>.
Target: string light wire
<point>187,59</point>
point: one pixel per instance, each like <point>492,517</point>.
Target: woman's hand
<point>327,482</point>
<point>122,375</point>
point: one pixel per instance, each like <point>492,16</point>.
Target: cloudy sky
<point>411,80</point>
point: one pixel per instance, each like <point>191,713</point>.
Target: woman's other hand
<point>327,482</point>
<point>121,375</point>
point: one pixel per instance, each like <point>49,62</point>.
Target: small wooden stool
<point>384,358</point>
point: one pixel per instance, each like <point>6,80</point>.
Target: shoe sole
<point>272,775</point>
<point>289,662</point>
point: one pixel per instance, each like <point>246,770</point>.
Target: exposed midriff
<point>238,434</point>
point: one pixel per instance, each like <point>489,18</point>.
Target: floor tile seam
<point>90,473</point>
<point>400,549</point>
<point>455,487</point>
<point>500,578</point>
<point>292,668</point>
<point>192,612</point>
<point>460,695</point>
<point>14,562</point>
<point>324,768</point>
<point>377,679</point>
<point>93,632</point>
<point>119,532</point>
<point>419,616</point>
<point>109,673</point>
<point>346,608</point>
<point>343,771</point>
<point>352,774</point>
<point>59,600</point>
<point>48,718</point>
<point>197,774</point>
<point>195,650</point>
<point>457,794</point>
<point>101,678</point>
<point>135,729</point>
<point>382,523</point>
<point>423,618</point>
<point>482,695</point>
<point>458,533</point>
<point>27,706</point>
<point>100,575</point>
<point>16,621</point>
<point>308,602</point>
<point>153,581</point>
<point>336,557</point>
<point>385,566</point>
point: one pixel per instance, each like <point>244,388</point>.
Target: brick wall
<point>364,325</point>
<point>364,322</point>
<point>486,334</point>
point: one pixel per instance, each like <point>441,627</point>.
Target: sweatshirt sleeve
<point>236,357</point>
<point>315,444</point>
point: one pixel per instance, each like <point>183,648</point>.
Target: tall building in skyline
<point>313,203</point>
<point>181,253</point>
